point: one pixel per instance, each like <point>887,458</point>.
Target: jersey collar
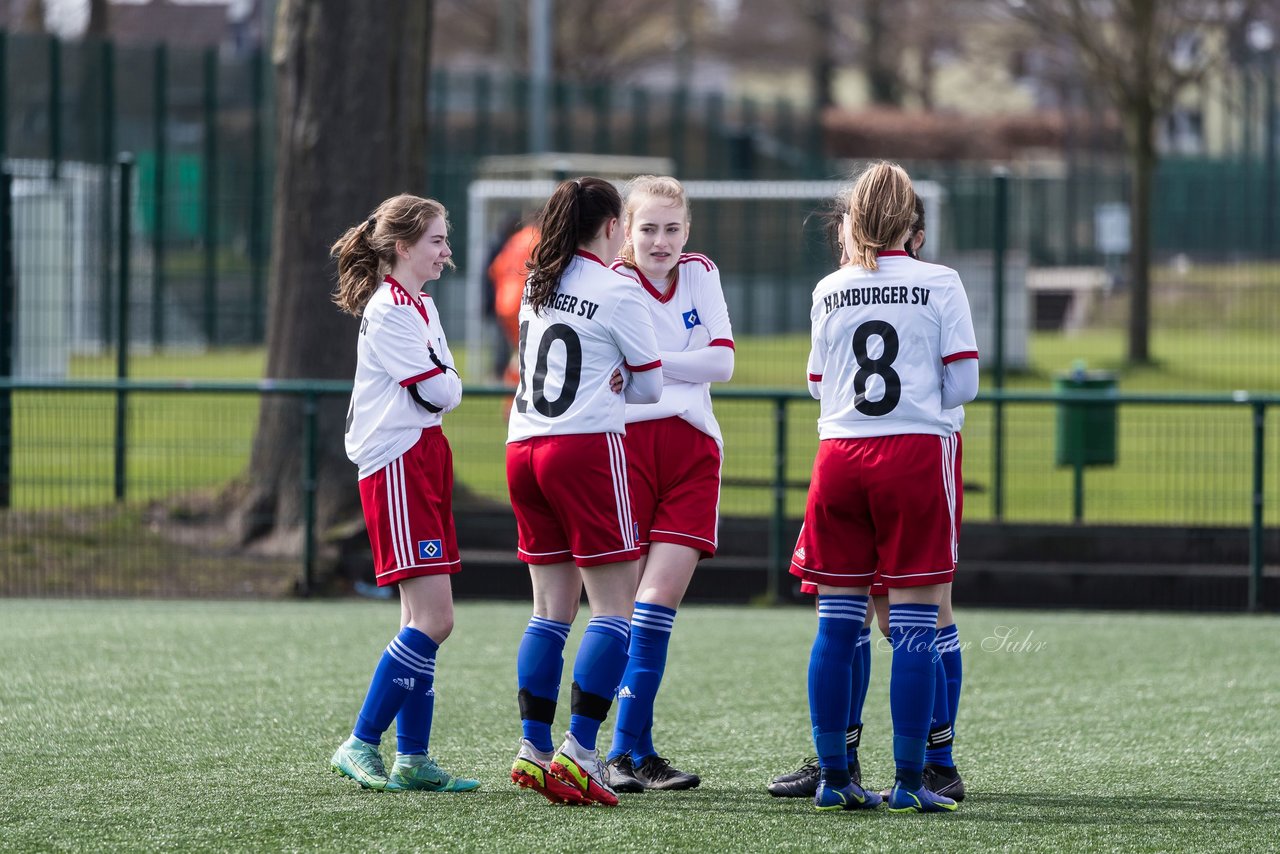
<point>653,291</point>
<point>585,254</point>
<point>416,303</point>
<point>892,253</point>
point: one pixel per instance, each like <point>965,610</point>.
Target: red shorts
<point>408,510</point>
<point>674,470</point>
<point>881,508</point>
<point>571,499</point>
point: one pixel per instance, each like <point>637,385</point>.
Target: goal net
<point>768,239</point>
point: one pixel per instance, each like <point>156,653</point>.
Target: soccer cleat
<point>622,774</point>
<point>530,771</point>
<point>656,773</point>
<point>851,797</point>
<point>582,769</point>
<point>921,800</point>
<point>362,762</point>
<point>800,783</point>
<point>945,781</point>
<point>421,773</point>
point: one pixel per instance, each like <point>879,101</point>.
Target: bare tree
<point>351,92</point>
<point>97,26</point>
<point>822,61</point>
<point>1142,54</point>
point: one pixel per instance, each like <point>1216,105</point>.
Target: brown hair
<point>572,216</point>
<point>917,226</point>
<point>644,187</point>
<point>366,252</point>
<point>881,208</point>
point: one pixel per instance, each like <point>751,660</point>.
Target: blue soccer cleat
<point>851,797</point>
<point>921,800</point>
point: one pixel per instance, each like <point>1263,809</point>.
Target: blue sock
<point>858,695</point>
<point>938,749</point>
<point>647,659</point>
<point>643,748</point>
<point>601,661</point>
<point>408,659</point>
<point>911,682</point>
<point>539,664</point>
<point>948,644</point>
<point>413,723</point>
<point>831,680</point>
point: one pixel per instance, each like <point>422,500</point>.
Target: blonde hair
<point>640,189</point>
<point>881,209</point>
<point>366,252</point>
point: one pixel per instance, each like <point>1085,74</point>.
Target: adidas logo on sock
<point>405,682</point>
<point>624,693</point>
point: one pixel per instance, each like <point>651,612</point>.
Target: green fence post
<point>6,334</point>
<point>4,95</point>
<point>160,108</point>
<point>777,525</point>
<point>483,113</point>
<point>122,325</point>
<point>107,157</point>
<point>600,108</point>
<point>999,239</point>
<point>677,135</point>
<point>1256,522</point>
<point>1269,159</point>
<point>210,194</point>
<point>55,106</point>
<point>257,199</point>
<point>309,411</point>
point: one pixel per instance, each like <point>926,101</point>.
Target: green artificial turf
<point>183,725</point>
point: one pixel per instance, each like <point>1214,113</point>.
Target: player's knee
<point>437,628</point>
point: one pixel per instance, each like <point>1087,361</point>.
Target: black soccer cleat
<point>800,783</point>
<point>622,774</point>
<point>656,773</point>
<point>944,781</point>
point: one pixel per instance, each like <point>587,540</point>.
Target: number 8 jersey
<point>880,341</point>
<point>596,323</point>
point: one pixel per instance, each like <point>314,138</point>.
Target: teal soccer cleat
<point>421,773</point>
<point>362,762</point>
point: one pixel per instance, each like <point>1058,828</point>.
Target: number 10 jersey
<point>597,322</point>
<point>880,340</point>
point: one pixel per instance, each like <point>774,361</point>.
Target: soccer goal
<point>767,238</point>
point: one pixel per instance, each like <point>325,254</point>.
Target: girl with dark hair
<point>585,335</point>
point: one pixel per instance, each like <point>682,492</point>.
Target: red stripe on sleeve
<point>723,342</point>
<point>636,369</point>
<point>420,377</point>
<point>815,378</point>
<point>955,357</point>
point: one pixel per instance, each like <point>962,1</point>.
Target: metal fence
<point>100,504</point>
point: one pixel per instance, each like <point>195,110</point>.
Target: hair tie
<point>371,223</point>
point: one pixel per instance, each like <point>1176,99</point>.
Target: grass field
<point>183,725</point>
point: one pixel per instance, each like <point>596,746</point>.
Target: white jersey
<point>595,324</point>
<point>396,378</point>
<point>880,339</point>
<point>696,299</point>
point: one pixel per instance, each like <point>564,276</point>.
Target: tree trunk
<point>822,64</point>
<point>1142,153</point>
<point>351,91</point>
<point>880,52</point>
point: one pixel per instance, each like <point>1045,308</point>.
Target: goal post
<point>784,207</point>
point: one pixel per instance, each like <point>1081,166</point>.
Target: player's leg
<point>426,619</point>
<point>916,544</point>
<point>858,692</point>
<point>421,481</point>
<point>802,782</point>
<point>668,569</point>
<point>597,670</point>
<point>940,771</point>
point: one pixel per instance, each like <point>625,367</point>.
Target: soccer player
<point>940,775</point>
<point>674,448</point>
<point>585,335</point>
<point>405,382</point>
<point>892,349</point>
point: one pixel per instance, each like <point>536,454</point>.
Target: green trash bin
<point>1086,432</point>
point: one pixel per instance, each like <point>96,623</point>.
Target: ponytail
<point>881,209</point>
<point>366,252</point>
<point>572,216</point>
